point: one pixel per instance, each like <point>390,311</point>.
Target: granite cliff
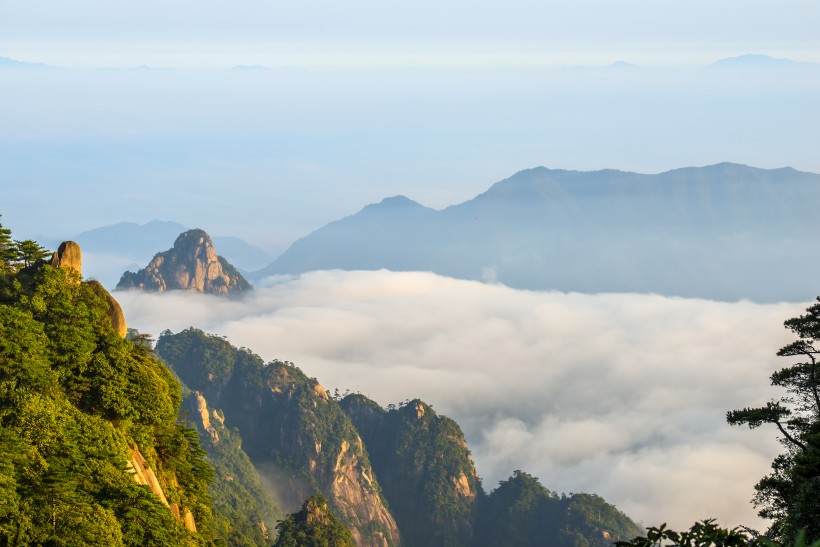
<point>289,425</point>
<point>424,468</point>
<point>191,264</point>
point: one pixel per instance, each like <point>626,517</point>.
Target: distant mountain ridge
<point>140,242</point>
<point>725,231</point>
<point>7,62</point>
<point>753,60</point>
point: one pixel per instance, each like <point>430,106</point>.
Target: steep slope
<point>192,264</point>
<point>424,468</point>
<point>721,232</point>
<point>288,423</point>
<point>90,449</point>
<point>244,514</point>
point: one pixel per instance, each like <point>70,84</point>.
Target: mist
<point>271,155</point>
<point>623,395</point>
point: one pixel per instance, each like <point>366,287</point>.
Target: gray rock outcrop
<point>192,264</point>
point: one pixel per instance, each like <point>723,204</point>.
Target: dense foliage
<point>424,467</point>
<point>274,405</point>
<point>790,496</point>
<point>707,533</point>
<point>19,254</point>
<point>314,525</point>
<point>76,403</point>
<point>521,512</point>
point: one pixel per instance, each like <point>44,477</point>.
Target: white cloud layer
<point>621,395</point>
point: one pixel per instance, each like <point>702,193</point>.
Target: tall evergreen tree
<point>8,250</point>
<point>790,496</point>
<point>29,251</point>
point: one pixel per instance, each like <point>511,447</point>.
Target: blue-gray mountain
<point>724,232</point>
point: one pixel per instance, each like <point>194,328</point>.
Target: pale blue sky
<point>434,100</point>
<point>371,32</point>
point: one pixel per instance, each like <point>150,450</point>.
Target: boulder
<point>68,256</point>
<point>114,309</point>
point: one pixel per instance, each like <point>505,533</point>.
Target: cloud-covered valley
<point>622,395</point>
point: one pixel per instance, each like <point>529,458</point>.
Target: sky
<point>615,394</point>
<point>327,33</point>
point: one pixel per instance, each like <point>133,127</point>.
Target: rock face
<point>287,421</point>
<point>242,505</point>
<point>143,474</point>
<point>192,264</point>
<point>424,469</point>
<point>68,256</point>
<point>200,408</point>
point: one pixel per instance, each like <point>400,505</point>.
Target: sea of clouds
<point>623,395</point>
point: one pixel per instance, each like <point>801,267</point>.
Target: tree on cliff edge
<point>313,526</point>
<point>790,495</point>
<point>8,250</point>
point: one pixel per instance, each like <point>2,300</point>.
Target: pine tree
<point>790,496</point>
<point>29,251</point>
<point>8,250</point>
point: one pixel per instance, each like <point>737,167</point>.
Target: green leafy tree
<point>790,496</point>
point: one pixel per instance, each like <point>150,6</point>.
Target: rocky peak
<point>192,264</point>
<point>68,256</point>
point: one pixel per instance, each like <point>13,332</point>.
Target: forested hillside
<point>91,452</point>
